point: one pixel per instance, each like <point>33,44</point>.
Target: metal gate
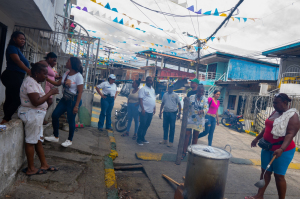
<point>257,108</point>
<point>67,40</point>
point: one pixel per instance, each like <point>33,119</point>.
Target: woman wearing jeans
<point>108,96</point>
<point>133,109</point>
<point>212,117</point>
<point>72,82</point>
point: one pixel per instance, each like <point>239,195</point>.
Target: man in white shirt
<point>108,96</point>
<point>147,109</point>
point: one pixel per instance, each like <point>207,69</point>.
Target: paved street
<point>241,178</point>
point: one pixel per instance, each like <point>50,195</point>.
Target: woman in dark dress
<point>12,77</point>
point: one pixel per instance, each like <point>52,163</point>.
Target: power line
<point>198,20</point>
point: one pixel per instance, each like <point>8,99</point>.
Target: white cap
<point>112,76</point>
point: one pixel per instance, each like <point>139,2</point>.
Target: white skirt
<point>33,120</point>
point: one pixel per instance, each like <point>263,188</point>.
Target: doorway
<point>3,31</point>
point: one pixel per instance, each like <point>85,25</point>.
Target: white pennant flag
<point>97,14</point>
<point>225,38</point>
<point>126,23</point>
<point>109,18</point>
<point>104,16</point>
<point>92,12</point>
<point>173,31</point>
<point>175,1</point>
<point>183,4</point>
<point>138,22</point>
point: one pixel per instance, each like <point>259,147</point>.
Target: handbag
<point>67,94</point>
<point>265,145</point>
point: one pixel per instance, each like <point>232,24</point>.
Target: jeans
<point>133,113</point>
<point>107,105</point>
<point>169,119</point>
<point>12,80</point>
<point>145,121</point>
<point>209,129</point>
<point>62,107</point>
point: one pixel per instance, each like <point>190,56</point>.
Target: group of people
<point>32,101</point>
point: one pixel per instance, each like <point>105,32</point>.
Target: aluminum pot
<point>206,172</point>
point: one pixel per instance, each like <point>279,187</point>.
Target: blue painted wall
<point>222,67</point>
<point>243,70</point>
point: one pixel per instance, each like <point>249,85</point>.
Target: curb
<point>110,177</point>
<point>256,134</point>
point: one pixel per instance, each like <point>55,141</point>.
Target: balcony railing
<point>209,76</point>
<point>290,78</point>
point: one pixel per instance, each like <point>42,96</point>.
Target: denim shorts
<point>281,164</point>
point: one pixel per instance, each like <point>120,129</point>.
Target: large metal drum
<point>206,173</point>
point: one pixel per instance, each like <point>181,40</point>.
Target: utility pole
<point>108,49</point>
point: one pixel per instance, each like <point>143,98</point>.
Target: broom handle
<point>170,179</point>
<point>272,160</point>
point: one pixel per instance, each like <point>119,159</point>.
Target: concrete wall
<point>285,64</point>
<point>48,10</point>
<point>222,67</point>
<point>10,27</point>
<point>292,89</point>
<point>12,154</point>
<point>243,70</point>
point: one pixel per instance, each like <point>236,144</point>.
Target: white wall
<point>48,10</point>
<point>10,27</point>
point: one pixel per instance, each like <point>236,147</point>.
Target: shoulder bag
<point>67,94</point>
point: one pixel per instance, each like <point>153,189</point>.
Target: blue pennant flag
<point>121,22</point>
<point>116,20</point>
<point>191,8</point>
<point>196,48</point>
<point>156,45</point>
<point>216,12</point>
<point>107,6</point>
<point>199,12</point>
<point>212,38</point>
<point>160,28</point>
<point>94,31</point>
<point>173,41</point>
<point>114,9</point>
<point>245,19</point>
<point>137,29</point>
<point>169,40</point>
<point>207,13</point>
<point>238,18</point>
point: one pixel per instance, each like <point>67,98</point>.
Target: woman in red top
<point>284,152</point>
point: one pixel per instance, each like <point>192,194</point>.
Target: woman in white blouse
<point>108,96</point>
<point>72,81</point>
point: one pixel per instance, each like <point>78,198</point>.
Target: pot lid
<point>203,150</point>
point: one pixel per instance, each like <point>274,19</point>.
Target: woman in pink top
<point>212,117</point>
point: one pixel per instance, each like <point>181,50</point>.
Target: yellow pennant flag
<point>101,4</point>
<point>152,44</point>
<point>223,15</point>
<point>132,26</point>
<point>252,19</point>
<point>93,1</point>
<point>232,18</point>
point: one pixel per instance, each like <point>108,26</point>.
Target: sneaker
<point>66,143</point>
<point>170,144</point>
<point>100,129</point>
<point>52,139</point>
<point>145,141</point>
<point>163,142</point>
<point>140,143</point>
<point>110,129</point>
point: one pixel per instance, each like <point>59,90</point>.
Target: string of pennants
<point>210,12</point>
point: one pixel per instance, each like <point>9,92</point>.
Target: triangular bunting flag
<point>139,22</point>
<point>132,26</point>
<point>72,25</point>
<point>126,23</point>
<point>156,45</point>
<point>223,15</point>
<point>173,31</point>
<point>116,20</point>
<point>114,9</point>
<point>212,38</point>
<point>199,12</point>
<point>146,23</point>
<point>169,40</point>
<point>238,18</point>
<point>173,41</point>
<point>79,8</point>
<point>121,22</point>
<point>225,38</point>
<point>175,1</point>
<point>109,18</point>
<point>216,12</point>
<point>97,14</point>
<point>207,13</point>
<point>245,19</point>
<point>93,1</point>
<point>232,18</point>
<point>101,4</point>
<point>104,16</point>
<point>107,6</point>
<point>249,18</point>
<point>183,4</point>
<point>191,8</point>
<point>92,12</point>
<point>84,9</point>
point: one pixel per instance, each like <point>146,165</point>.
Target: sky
<point>277,24</point>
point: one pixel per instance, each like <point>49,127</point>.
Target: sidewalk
<point>81,169</point>
<point>240,180</point>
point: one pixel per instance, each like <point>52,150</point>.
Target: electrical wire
<point>198,21</point>
<point>168,20</point>
<point>193,23</point>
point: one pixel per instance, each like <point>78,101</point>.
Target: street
<point>240,179</point>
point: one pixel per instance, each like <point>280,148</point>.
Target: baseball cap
<point>195,80</point>
<point>112,76</point>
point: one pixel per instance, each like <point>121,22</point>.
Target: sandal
<point>52,168</point>
<point>134,137</point>
<point>37,173</point>
<point>183,156</point>
<point>125,134</point>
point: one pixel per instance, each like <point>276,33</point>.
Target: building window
<point>231,102</point>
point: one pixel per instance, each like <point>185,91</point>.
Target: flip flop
<point>125,134</point>
<point>134,137</point>
<point>52,168</point>
<point>183,156</point>
<point>37,173</point>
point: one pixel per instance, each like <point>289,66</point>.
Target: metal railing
<point>214,87</point>
<point>209,76</point>
<point>290,78</point>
